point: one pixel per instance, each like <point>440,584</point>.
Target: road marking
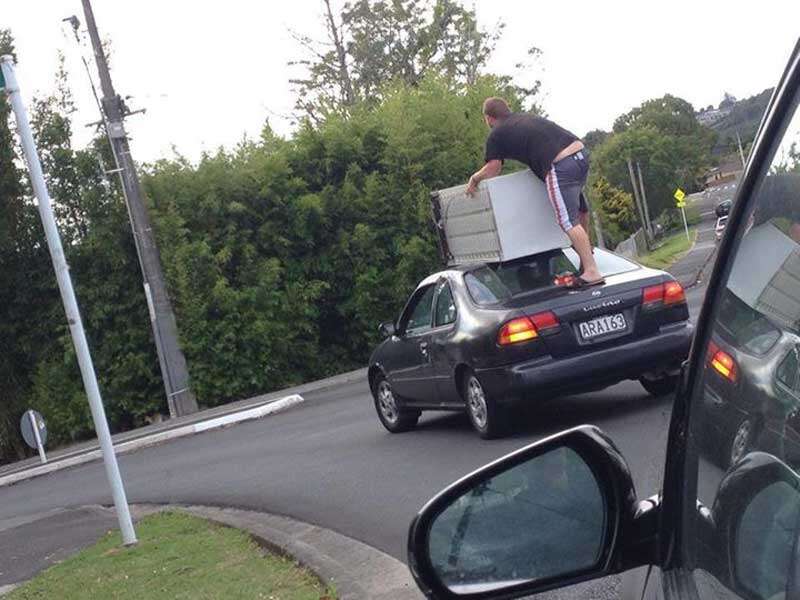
<point>705,214</point>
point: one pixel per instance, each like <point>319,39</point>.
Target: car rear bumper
<point>548,376</point>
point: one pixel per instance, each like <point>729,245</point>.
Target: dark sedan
<point>723,209</point>
<point>483,337</point>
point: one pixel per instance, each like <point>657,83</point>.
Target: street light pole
<point>9,82</point>
<point>180,399</point>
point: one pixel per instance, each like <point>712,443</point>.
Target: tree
<point>372,43</point>
<point>617,210</point>
<point>594,138</point>
<point>663,136</point>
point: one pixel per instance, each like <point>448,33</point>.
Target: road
<point>329,461</point>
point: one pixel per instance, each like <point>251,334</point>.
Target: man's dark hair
<point>496,107</point>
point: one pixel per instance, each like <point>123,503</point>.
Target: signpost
<point>68,298</point>
<point>680,197</point>
<point>34,432</point>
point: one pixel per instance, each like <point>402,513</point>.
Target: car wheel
<point>660,386</point>
<point>740,441</point>
<point>487,418</point>
<point>393,417</point>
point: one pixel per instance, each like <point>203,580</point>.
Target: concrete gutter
<point>257,412</point>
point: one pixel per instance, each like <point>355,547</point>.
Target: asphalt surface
<point>330,463</point>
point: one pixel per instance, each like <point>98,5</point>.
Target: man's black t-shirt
<point>532,140</point>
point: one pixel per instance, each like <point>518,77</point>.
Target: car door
<point>408,365</point>
<point>715,544</point>
<point>442,350</point>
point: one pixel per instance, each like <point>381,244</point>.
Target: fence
<point>633,246</point>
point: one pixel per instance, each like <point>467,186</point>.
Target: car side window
<point>419,312</point>
<point>787,370</point>
<point>445,306</point>
<point>741,498</point>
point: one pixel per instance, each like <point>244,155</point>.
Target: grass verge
<point>178,557</point>
<point>669,251</point>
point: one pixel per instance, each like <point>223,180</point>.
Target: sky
<point>211,72</point>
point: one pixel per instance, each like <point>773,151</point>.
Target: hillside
<point>744,117</point>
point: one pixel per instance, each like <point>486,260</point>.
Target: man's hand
<point>490,169</point>
<point>472,186</point>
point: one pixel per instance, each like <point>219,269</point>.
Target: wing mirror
<point>560,511</point>
<point>756,518</point>
<point>387,329</point>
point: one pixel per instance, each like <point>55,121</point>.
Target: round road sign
<point>26,425</point>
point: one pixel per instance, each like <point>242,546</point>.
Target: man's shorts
<point>564,183</point>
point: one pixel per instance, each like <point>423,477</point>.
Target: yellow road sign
<point>681,204</point>
<point>679,195</point>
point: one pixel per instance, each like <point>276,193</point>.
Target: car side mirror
<point>560,511</point>
<point>756,517</point>
<point>387,329</point>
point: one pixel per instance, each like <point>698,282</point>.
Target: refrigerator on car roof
<point>508,217</point>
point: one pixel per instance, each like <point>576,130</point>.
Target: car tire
<point>394,418</point>
<point>487,418</point>
<point>739,443</point>
<point>662,386</point>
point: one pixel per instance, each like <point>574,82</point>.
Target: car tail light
<point>663,294</point>
<point>653,294</point>
<point>545,322</point>
<point>673,293</point>
<point>517,330</point>
<point>523,329</point>
<point>722,362</point>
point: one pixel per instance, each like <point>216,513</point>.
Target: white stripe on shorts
<point>562,214</point>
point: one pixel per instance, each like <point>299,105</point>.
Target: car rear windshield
<point>746,328</point>
<point>497,282</point>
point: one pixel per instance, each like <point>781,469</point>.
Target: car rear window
<point>746,328</point>
<point>494,283</point>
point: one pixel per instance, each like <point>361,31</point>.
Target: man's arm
<point>491,169</point>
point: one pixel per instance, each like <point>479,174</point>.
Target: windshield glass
<point>494,283</point>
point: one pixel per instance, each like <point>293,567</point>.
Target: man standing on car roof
<point>557,157</point>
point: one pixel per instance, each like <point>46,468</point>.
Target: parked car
<point>723,208</point>
<point>485,337</point>
<point>564,510</point>
<point>719,228</point>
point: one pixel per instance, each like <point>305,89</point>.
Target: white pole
<point>685,226</point>
<point>70,303</point>
<point>39,446</point>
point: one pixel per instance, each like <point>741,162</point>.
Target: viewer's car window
<point>445,306</point>
<point>743,449</point>
<point>497,282</point>
<point>420,311</point>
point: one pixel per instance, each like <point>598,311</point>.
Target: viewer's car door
<point>752,551</point>
<point>408,364</point>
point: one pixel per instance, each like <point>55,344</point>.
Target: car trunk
<point>596,316</point>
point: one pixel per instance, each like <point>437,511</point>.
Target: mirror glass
<point>542,518</point>
<point>765,541</point>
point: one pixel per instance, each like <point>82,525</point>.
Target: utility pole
<point>644,200</point>
<point>180,399</point>
<point>8,80</point>
<point>638,203</point>
<point>741,152</point>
